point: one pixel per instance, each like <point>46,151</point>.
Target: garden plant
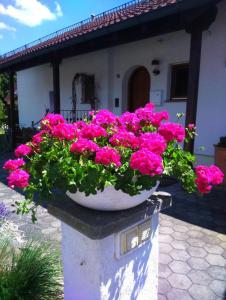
<point>130,152</point>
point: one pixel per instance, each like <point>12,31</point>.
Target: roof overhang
<point>167,19</point>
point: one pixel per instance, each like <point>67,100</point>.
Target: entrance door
<point>138,89</point>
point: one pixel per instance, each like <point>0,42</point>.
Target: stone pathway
<point>192,242</point>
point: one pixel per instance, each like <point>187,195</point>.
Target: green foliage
<point>32,272</point>
<point>4,83</point>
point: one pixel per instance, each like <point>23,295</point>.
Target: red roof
<point>119,14</point>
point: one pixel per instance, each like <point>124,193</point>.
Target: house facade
<point>171,67</point>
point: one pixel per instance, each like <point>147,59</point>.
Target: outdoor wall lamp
<point>155,67</point>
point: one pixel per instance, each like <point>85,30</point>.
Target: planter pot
<point>220,160</point>
<point>110,199</point>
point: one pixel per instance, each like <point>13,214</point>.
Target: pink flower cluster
<point>83,145</point>
<point>172,131</point>
<point>91,131</point>
<point>125,139</point>
<point>64,131</point>
<point>23,150</point>
<point>13,164</point>
<point>107,156</point>
<point>206,177</point>
<point>154,142</point>
<point>130,121</point>
<point>145,113</point>
<point>51,120</point>
<point>146,162</point>
<point>104,118</point>
<point>38,138</point>
<point>158,117</point>
<point>18,178</point>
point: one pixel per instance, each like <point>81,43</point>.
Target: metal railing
<point>85,25</point>
<point>74,115</point>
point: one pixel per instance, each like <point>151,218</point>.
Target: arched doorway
<point>138,88</point>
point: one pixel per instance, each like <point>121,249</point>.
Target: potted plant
<point>220,156</point>
<point>106,162</point>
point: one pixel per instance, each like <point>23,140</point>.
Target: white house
<point>172,52</point>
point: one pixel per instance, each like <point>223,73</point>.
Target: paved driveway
<point>192,243</point>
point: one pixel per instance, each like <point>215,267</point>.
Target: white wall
<point>169,49</point>
<point>33,86</point>
<point>211,115</point>
<point>93,63</point>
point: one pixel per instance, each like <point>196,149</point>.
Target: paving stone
<point>211,240</point>
<point>164,286</point>
<point>224,254</point>
<point>177,294</point>
<point>164,248</point>
<point>223,245</point>
<point>222,237</point>
<point>219,287</point>
<point>180,236</point>
<point>179,267</point>
<point>165,238</point>
<point>165,230</point>
<point>180,245</point>
<point>179,281</point>
<point>164,258</point>
<point>198,263</point>
<point>217,272</point>
<point>163,222</point>
<point>195,242</point>
<point>199,292</point>
<point>196,251</point>
<point>164,271</point>
<point>214,249</point>
<point>161,297</point>
<point>181,255</point>
<point>199,277</point>
<point>195,234</point>
<point>216,260</point>
<point>180,228</point>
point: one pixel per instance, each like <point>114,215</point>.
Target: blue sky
<point>22,21</point>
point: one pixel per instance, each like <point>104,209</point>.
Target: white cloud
<point>4,26</point>
<point>30,12</point>
<point>59,12</point>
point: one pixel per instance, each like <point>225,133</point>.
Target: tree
<point>4,90</point>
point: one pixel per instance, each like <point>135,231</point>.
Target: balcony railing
<point>74,115</point>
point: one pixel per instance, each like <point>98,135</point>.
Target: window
<point>179,82</point>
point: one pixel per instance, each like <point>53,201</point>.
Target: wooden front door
<point>138,89</point>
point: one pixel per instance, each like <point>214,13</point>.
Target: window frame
<point>173,68</point>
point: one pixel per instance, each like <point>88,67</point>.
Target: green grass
<point>31,273</point>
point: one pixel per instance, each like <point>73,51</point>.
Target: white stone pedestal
<point>92,270</point>
<point>110,255</point>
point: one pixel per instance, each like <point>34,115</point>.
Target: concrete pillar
<point>110,255</point>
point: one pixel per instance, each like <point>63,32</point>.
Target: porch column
<point>12,109</point>
<point>56,85</point>
<point>196,22</point>
<point>193,82</point>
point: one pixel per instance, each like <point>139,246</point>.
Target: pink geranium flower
<point>23,150</point>
<point>153,142</point>
<point>125,139</point>
<point>13,164</point>
<point>91,131</point>
<point>38,138</point>
<point>130,121</point>
<point>104,118</point>
<point>158,117</point>
<point>146,162</point>
<point>51,120</point>
<point>206,177</point>
<point>172,131</point>
<point>83,145</point>
<point>107,156</point>
<point>18,178</point>
<point>64,131</point>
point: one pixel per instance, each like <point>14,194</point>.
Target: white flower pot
<point>110,199</point>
